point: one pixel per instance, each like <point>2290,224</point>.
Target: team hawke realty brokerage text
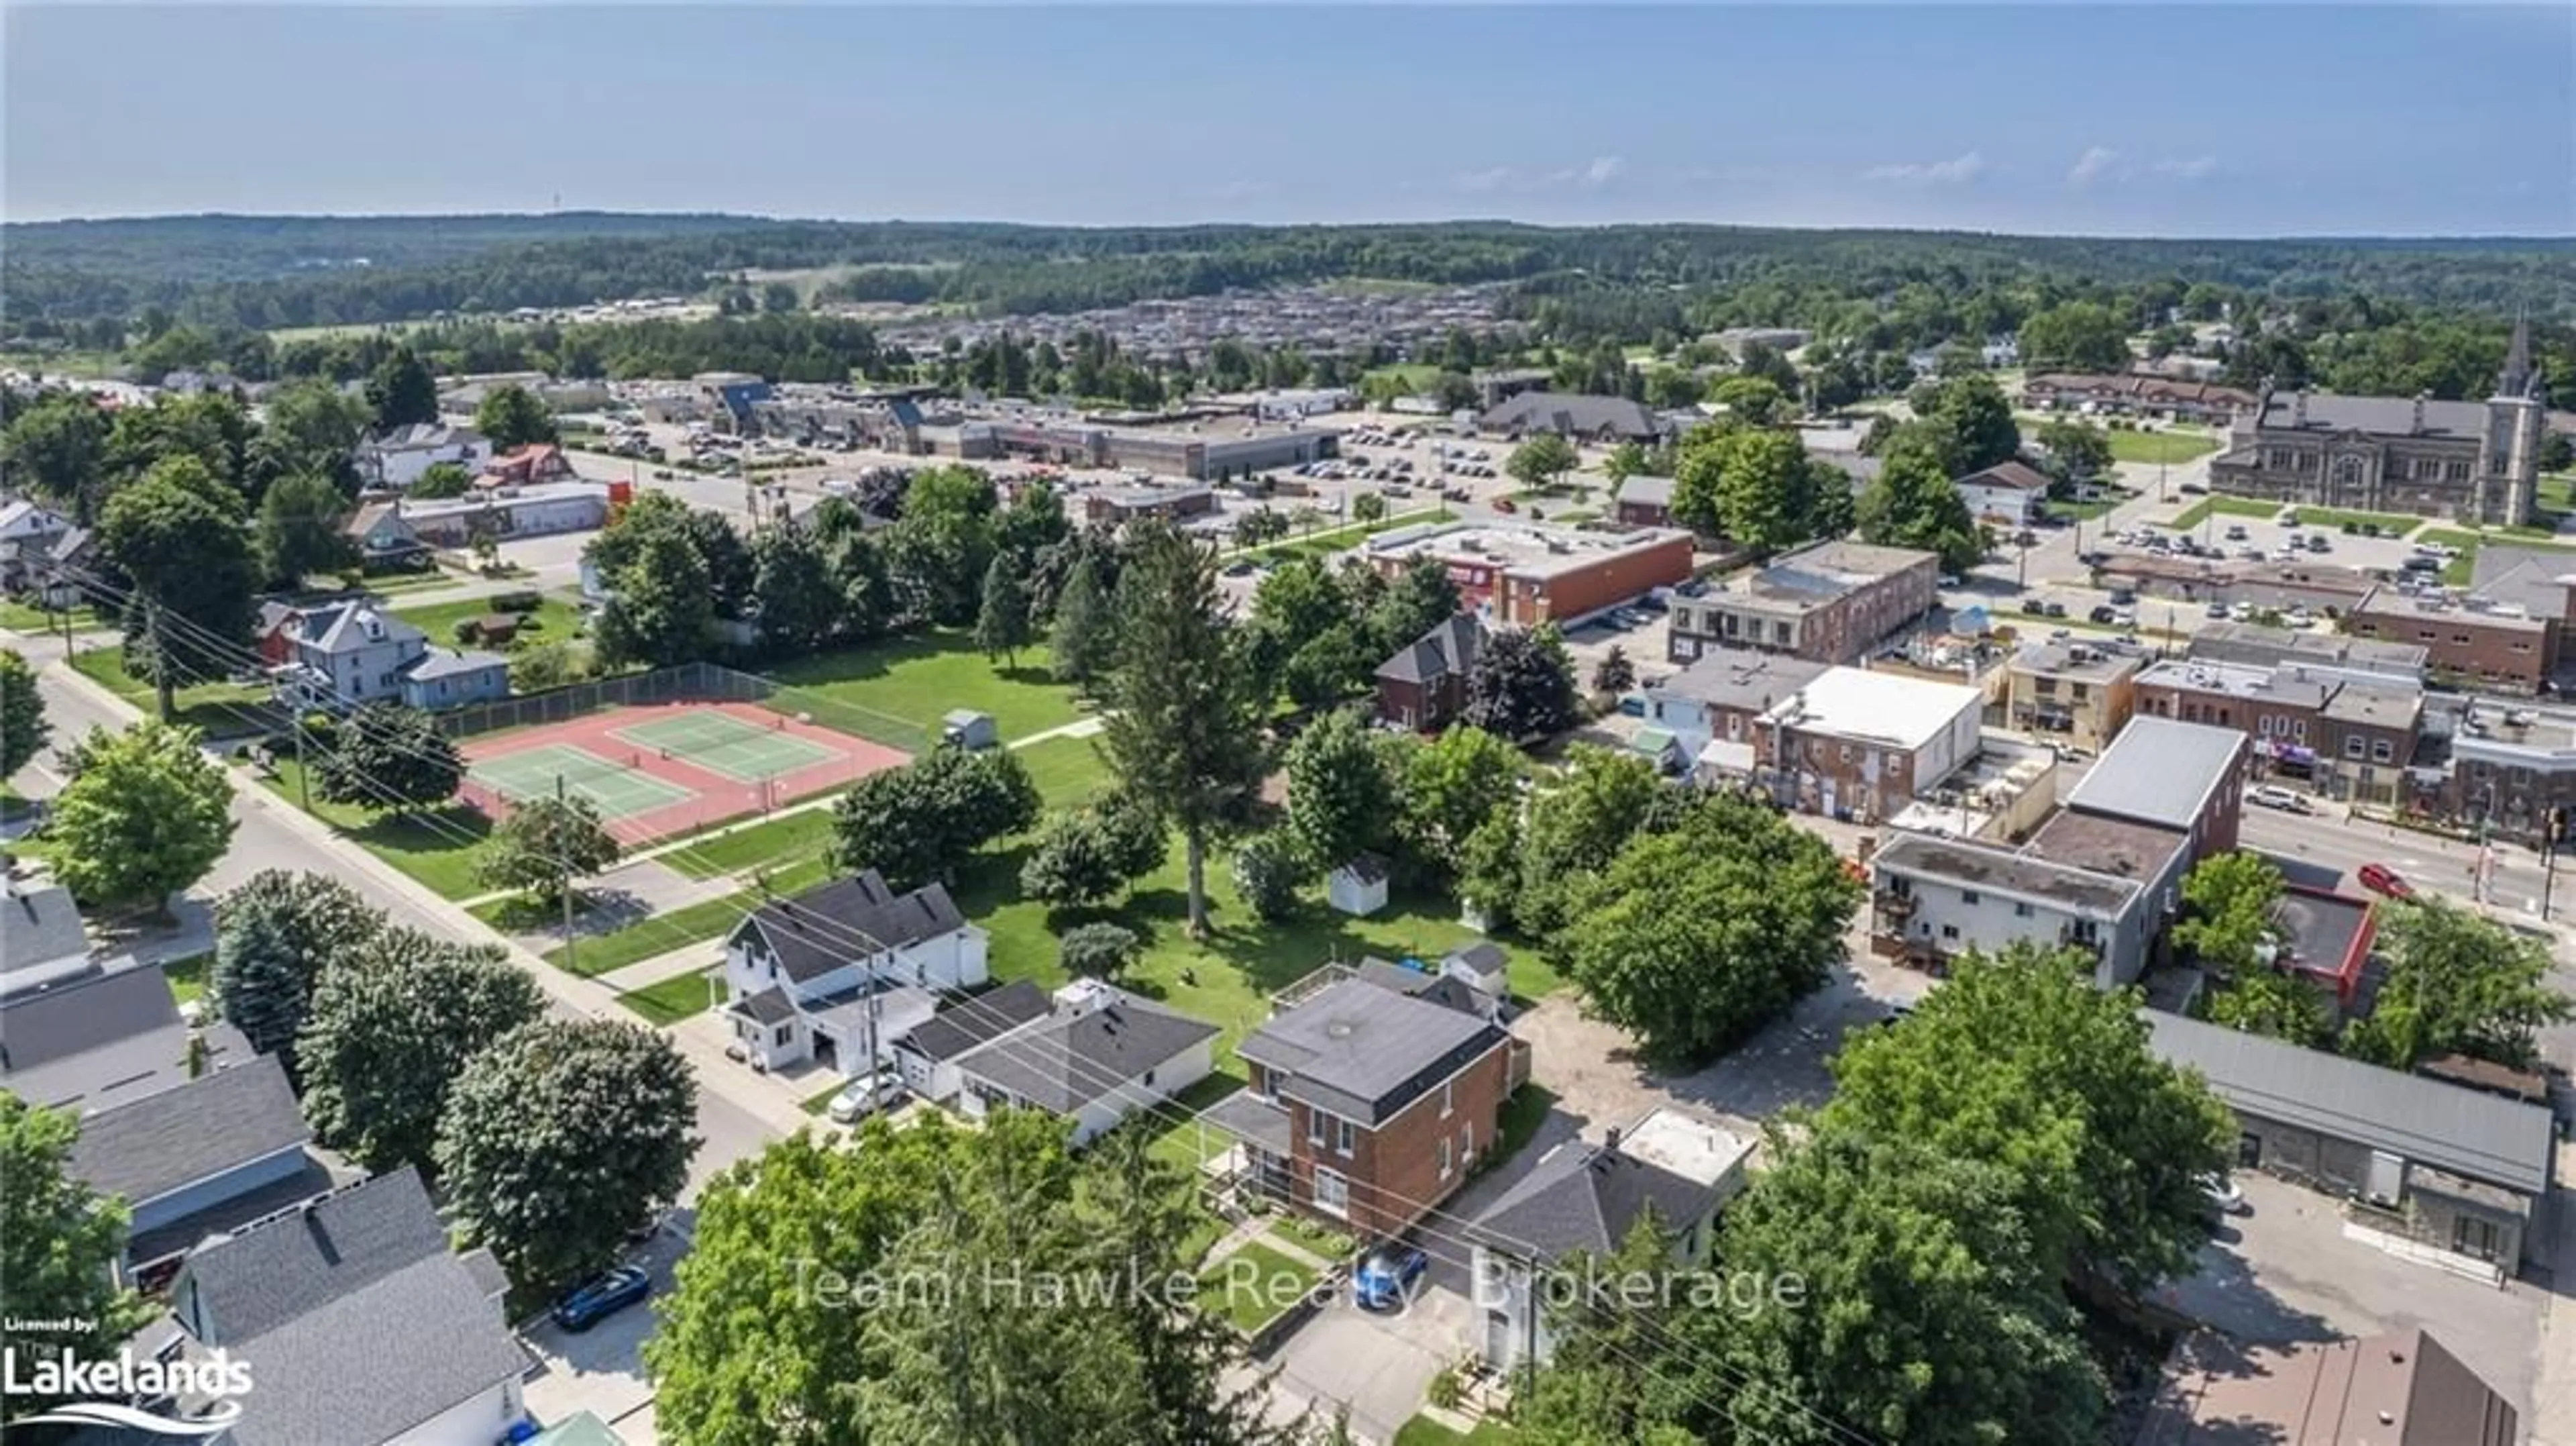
<point>1582,1284</point>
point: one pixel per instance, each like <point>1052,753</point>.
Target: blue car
<point>602,1296</point>
<point>1386,1276</point>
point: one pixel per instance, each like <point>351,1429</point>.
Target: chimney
<point>1612,1143</point>
<point>2417,427</point>
<point>2298,409</point>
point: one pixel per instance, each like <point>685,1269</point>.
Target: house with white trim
<point>840,972</point>
<point>1099,1056</point>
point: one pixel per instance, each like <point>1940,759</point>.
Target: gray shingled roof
<point>39,924</point>
<point>252,1282</point>
<point>379,1361</point>
<point>2012,473</point>
<point>1587,1198</point>
<point>2482,1136</point>
<point>1449,648</point>
<point>971,1022</point>
<point>1424,984</point>
<point>147,1148</point>
<point>2159,771</point>
<point>1076,1058</point>
<point>1745,680</point>
<point>93,1042</point>
<point>448,662</point>
<point>1573,413</point>
<point>1657,491</point>
<point>825,928</point>
<point>1363,1052</point>
<point>2388,416</point>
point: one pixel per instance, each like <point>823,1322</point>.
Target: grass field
<point>797,835</point>
<point>552,622</point>
<point>1423,1431</point>
<point>2078,511</point>
<point>1415,377</point>
<point>1254,1286</point>
<point>2198,512</point>
<point>18,617</point>
<point>667,1003</point>
<point>188,976</point>
<point>919,679</point>
<point>2458,570</point>
<point>1066,770</point>
<point>601,953</point>
<point>2166,447</point>
<point>217,708</point>
<point>437,847</point>
<point>2393,524</point>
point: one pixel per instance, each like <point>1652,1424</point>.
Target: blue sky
<point>2177,120</point>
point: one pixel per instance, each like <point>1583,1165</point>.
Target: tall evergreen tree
<point>1183,731</point>
<point>1002,621</point>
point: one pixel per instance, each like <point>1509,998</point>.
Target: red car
<point>2381,879</point>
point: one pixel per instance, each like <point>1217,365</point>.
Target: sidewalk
<point>716,1074</point>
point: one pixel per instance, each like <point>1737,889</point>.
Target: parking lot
<point>2283,1272</point>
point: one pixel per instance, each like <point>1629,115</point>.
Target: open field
<point>437,847</point>
<point>919,679</point>
<point>2170,448</point>
<point>2393,524</point>
<point>2198,512</point>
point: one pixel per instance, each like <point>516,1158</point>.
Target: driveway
<point>2283,1272</point>
<point>601,1370</point>
<point>1379,1366</point>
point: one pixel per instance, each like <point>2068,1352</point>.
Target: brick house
<point>1862,745</point>
<point>1425,684</point>
<point>1369,1106</point>
<point>1527,573</point>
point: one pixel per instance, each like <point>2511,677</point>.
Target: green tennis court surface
<point>613,788</point>
<point>722,743</point>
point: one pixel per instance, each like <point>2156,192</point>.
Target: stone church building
<point>2474,461</point>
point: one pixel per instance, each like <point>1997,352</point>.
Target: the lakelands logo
<point>54,1374</point>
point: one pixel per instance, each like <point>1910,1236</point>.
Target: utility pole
<point>303,771</point>
<point>566,890</point>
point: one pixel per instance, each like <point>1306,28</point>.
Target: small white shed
<point>969,729</point>
<point>1358,887</point>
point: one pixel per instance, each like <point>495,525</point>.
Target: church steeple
<point>2516,379</point>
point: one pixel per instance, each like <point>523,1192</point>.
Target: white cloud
<point>2091,166</point>
<point>1599,171</point>
<point>1484,180</point>
<point>1956,171</point>
<point>1603,170</point>
<point>2194,169</point>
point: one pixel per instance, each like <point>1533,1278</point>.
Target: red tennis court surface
<point>656,743</point>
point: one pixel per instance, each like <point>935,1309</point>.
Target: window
<point>2299,729</point>
<point>2352,745</point>
<point>1444,1157</point>
<point>1332,1193</point>
<point>2474,1237</point>
<point>2046,686</point>
<point>2082,691</point>
<point>2380,750</point>
<point>1969,896</point>
<point>1448,1098</point>
<point>2021,910</point>
<point>1315,1127</point>
<point>1949,931</point>
<point>1345,1137</point>
<point>782,1034</point>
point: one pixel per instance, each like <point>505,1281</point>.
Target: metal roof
<point>2159,771</point>
<point>2481,1136</point>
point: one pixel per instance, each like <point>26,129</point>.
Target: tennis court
<point>722,743</point>
<point>655,770</point>
<point>612,786</point>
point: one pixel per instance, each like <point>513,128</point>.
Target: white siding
<point>1170,1078</point>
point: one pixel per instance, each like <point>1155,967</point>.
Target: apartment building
<point>1861,745</point>
<point>2079,693</point>
<point>2472,641</point>
<point>1831,602</point>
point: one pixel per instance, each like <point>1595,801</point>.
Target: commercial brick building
<point>2173,775</point>
<point>2079,693</point>
<point>1862,745</point>
<point>2134,394</point>
<point>1526,573</point>
<point>1832,602</point>
<point>2471,641</point>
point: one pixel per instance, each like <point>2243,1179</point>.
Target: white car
<point>2272,795</point>
<point>864,1096</point>
<point>2223,1195</point>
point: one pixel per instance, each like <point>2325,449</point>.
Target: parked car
<point>1385,1275</point>
<point>2236,532</point>
<point>2218,610</point>
<point>2102,615</point>
<point>2381,879</point>
<point>600,1297</point>
<point>2223,1196</point>
<point>2422,563</point>
<point>2056,609</point>
<point>864,1096</point>
<point>2273,795</point>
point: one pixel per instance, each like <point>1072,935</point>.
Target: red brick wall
<point>1612,580</point>
<point>2469,648</point>
<point>1394,1170</point>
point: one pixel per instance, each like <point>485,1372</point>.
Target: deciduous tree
<point>389,756</point>
<point>1913,503</point>
<point>389,1030</point>
<point>144,816</point>
<point>799,602</point>
<point>23,729</point>
<point>1085,855</point>
<point>920,822</point>
<point>1338,789</point>
<point>561,1139</point>
<point>543,845</point>
<point>57,449</point>
<point>2456,983</point>
<point>1267,872</point>
<point>299,530</point>
<point>402,391</point>
<point>1097,951</point>
<point>2078,336</point>
<point>441,480</point>
<point>1693,938</point>
<point>1182,732</point>
<point>1541,460</point>
<point>1451,786</point>
<point>2231,899</point>
<point>61,1243</point>
<point>660,609</point>
<point>1521,686</point>
<point>177,534</point>
<point>511,416</point>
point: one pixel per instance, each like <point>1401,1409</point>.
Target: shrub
<point>525,600</point>
<point>1445,1392</point>
<point>1098,951</point>
<point>468,630</point>
<point>1266,873</point>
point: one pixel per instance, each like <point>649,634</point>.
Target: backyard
<point>216,708</point>
<point>552,622</point>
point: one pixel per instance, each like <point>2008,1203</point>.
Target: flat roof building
<point>1833,602</point>
<point>1862,745</point>
<point>2082,693</point>
<point>1526,573</point>
<point>2175,775</point>
<point>2472,641</point>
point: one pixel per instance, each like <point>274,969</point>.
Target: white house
<point>840,972</point>
<point>927,1055</point>
<point>1097,1057</point>
<point>399,457</point>
<point>2013,493</point>
<point>28,532</point>
<point>1677,1169</point>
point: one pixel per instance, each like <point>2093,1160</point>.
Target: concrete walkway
<point>687,959</point>
<point>1078,728</point>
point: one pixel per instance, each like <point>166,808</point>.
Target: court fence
<point>683,683</point>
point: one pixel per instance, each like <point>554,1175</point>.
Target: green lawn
<point>437,847</point>
<point>395,584</point>
<point>919,679</point>
<point>1416,377</point>
<point>552,622</point>
<point>20,617</point>
<point>217,708</point>
<point>1423,1431</point>
<point>1325,541</point>
<point>2079,511</point>
<point>2198,512</point>
<point>1177,1135</point>
<point>2165,447</point>
<point>1522,1114</point>
<point>1320,1240</point>
<point>1254,1286</point>
<point>805,834</point>
<point>2394,524</point>
<point>2457,571</point>
<point>188,976</point>
<point>1066,770</point>
<point>670,1001</point>
<point>662,933</point>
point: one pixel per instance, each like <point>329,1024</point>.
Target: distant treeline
<point>82,280</point>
